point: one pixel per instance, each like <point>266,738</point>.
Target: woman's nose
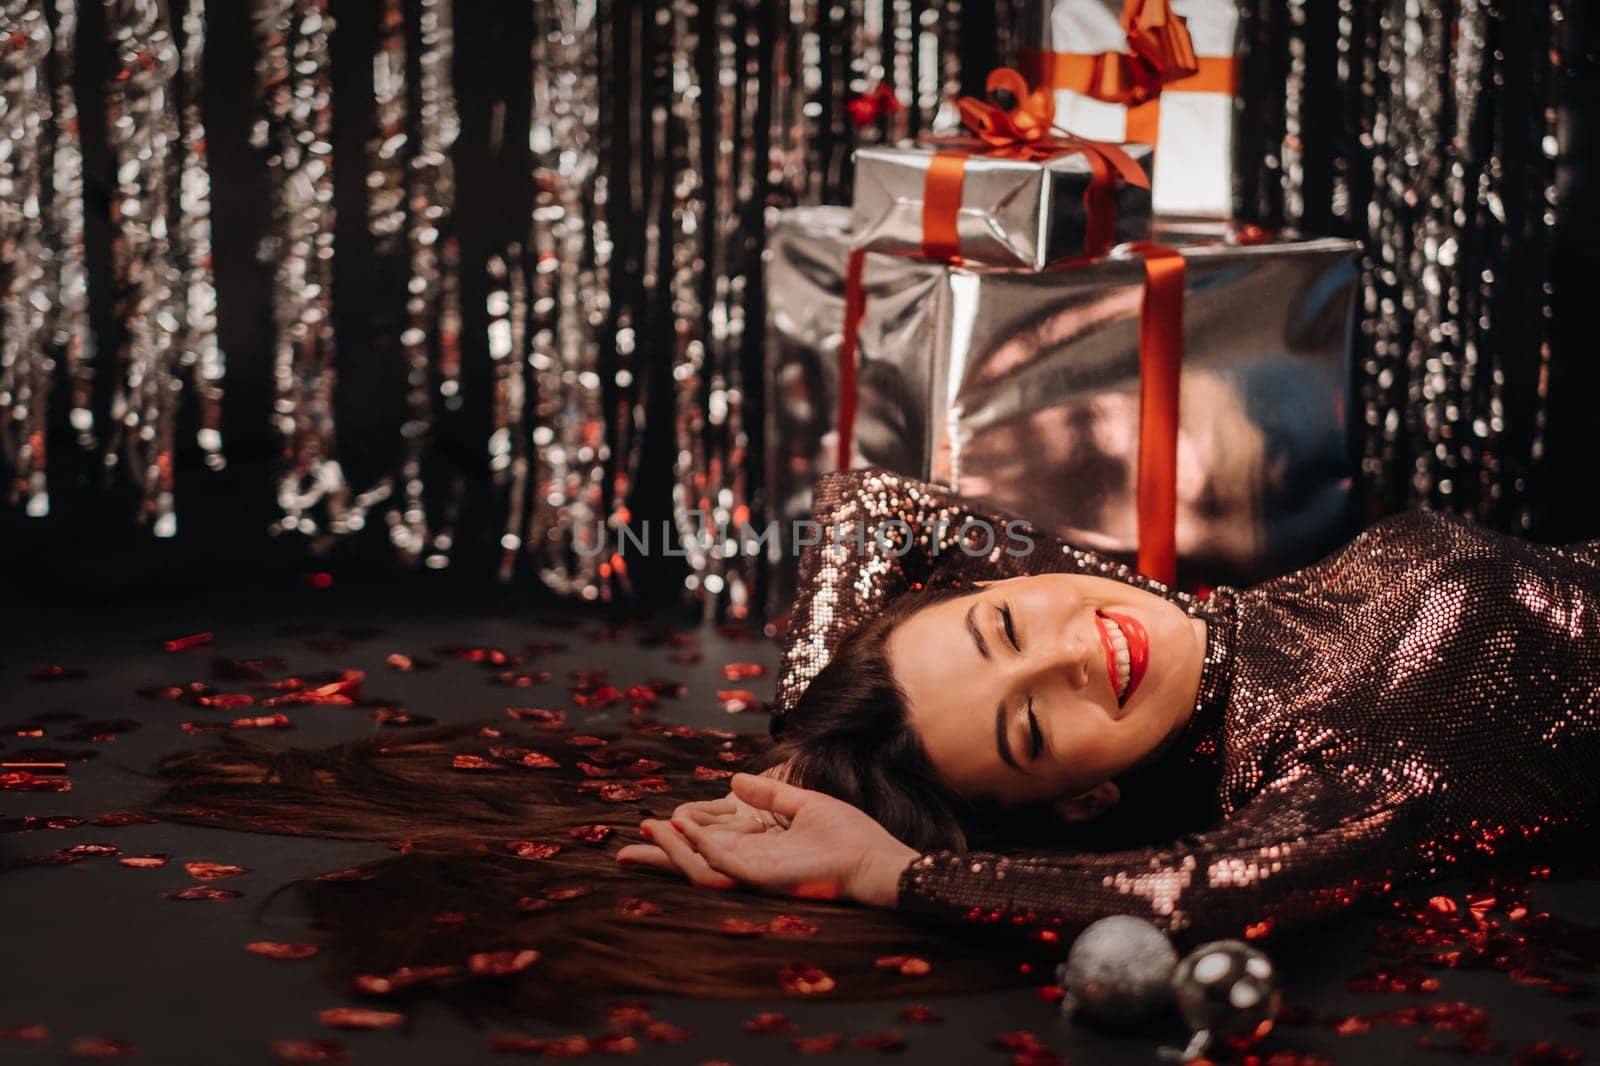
<point>1067,656</point>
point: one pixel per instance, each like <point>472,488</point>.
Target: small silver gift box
<point>1023,388</point>
<point>1014,212</point>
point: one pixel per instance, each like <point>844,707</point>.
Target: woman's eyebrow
<point>1002,741</point>
<point>977,634</point>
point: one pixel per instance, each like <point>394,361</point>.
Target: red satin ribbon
<point>1160,369</point>
<point>1026,131</point>
<point>855,306</point>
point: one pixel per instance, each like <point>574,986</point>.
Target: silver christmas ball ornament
<point>1228,993</point>
<point>1118,971</point>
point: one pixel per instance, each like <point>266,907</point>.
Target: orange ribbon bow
<point>1026,131</point>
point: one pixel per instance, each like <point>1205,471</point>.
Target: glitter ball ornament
<point>1118,971</point>
<point>1228,993</point>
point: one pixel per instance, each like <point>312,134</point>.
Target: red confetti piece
<point>90,851</point>
<point>301,1051</point>
<point>225,701</point>
<point>193,640</point>
<point>531,849</point>
<point>1404,980</point>
<point>360,1018</point>
<point>1053,994</point>
<point>100,1047</point>
<point>585,741</point>
<point>907,965</point>
<point>920,1013</point>
<point>768,1021</point>
<point>707,773</point>
<point>739,700</point>
<point>743,671</point>
<point>642,767</point>
<point>501,963</point>
<point>402,663</point>
<point>528,904</point>
<point>272,949</point>
<point>600,697</point>
<point>30,1033</point>
<point>591,834</point>
<point>629,1015</point>
<point>541,716</point>
<point>1018,1040</point>
<point>204,892</point>
<point>22,781</point>
<point>742,927</point>
<point>790,925</point>
<point>403,978</point>
<point>817,1045</point>
<point>591,770</point>
<point>202,727</point>
<point>475,762</point>
<point>212,871</point>
<point>54,672</point>
<point>619,793</point>
<point>569,892</point>
<point>803,979</point>
<point>517,1044</point>
<point>538,761</point>
<point>120,818</point>
<point>615,1044</point>
<point>667,1033</point>
<point>399,716</point>
<point>1545,1053</point>
<point>637,908</point>
<point>266,721</point>
<point>890,1041</point>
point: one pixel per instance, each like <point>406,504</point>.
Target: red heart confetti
<point>804,979</point>
<point>212,871</point>
<point>145,862</point>
<point>817,1045</point>
<point>204,892</point>
<point>272,949</point>
<point>303,1051</point>
<point>531,849</point>
<point>360,1018</point>
<point>100,1047</point>
<point>768,1021</point>
<point>591,834</point>
<point>637,908</point>
<point>501,963</point>
<point>538,761</point>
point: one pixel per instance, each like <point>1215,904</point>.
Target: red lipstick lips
<point>1138,651</point>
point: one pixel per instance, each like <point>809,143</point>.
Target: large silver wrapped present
<point>1101,74</point>
<point>1023,388</point>
<point>1014,212</point>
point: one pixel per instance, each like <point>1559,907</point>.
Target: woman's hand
<point>772,836</point>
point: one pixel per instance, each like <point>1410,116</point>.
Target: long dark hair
<point>470,813</point>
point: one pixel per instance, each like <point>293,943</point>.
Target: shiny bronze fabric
<point>1428,694</point>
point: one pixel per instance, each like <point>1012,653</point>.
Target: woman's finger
<point>684,857</point>
<point>646,855</point>
<point>725,805</point>
<point>769,794</point>
<point>745,821</point>
<point>718,848</point>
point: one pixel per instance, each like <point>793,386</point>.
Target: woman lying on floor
<point>1032,737</point>
<point>1428,694</point>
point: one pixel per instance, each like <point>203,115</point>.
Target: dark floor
<point>95,949</point>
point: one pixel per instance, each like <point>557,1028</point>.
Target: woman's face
<point>1041,688</point>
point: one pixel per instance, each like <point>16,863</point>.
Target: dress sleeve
<point>1306,845</point>
<point>875,535</point>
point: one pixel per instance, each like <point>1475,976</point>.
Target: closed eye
<point>1010,627</point>
<point>1036,736</point>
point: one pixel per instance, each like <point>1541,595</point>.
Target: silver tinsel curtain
<point>508,254</point>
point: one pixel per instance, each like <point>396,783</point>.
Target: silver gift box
<point>1014,213</point>
<point>1023,388</point>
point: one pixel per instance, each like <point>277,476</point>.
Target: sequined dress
<point>1427,694</point>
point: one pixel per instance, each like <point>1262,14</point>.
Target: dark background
<point>91,548</point>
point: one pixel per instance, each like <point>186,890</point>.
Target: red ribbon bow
<point>1025,131</point>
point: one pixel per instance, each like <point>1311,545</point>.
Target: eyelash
<point>1011,632</point>
<point>1033,728</point>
